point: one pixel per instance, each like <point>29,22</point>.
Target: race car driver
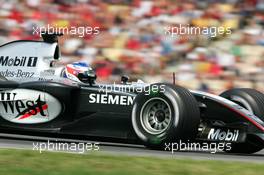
<point>80,72</point>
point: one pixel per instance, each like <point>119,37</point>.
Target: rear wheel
<point>166,116</point>
<point>253,101</point>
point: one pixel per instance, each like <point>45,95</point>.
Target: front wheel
<point>253,101</point>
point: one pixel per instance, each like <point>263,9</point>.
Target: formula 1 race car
<point>131,112</point>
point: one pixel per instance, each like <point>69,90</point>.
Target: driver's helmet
<point>80,72</point>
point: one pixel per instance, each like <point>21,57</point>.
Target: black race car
<point>150,114</point>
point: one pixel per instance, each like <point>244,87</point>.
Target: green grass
<point>23,162</point>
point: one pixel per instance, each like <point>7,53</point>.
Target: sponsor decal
<point>48,72</point>
<point>19,73</point>
<point>111,99</point>
<point>220,135</point>
<point>45,79</point>
<point>18,61</point>
<point>28,106</point>
<point>23,108</point>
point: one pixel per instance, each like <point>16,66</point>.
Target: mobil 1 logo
<point>18,67</point>
<point>24,61</point>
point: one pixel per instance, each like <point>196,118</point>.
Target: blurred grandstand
<point>132,39</point>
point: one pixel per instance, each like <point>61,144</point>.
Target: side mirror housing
<point>124,79</point>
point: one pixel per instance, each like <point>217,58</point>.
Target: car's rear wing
<point>51,38</point>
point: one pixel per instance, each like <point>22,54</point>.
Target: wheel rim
<point>155,116</point>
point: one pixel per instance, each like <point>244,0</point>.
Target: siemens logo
<point>111,99</point>
<point>16,61</point>
<point>223,135</point>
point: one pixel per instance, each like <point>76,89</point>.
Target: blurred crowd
<point>132,38</point>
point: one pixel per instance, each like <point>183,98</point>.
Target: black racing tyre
<point>167,115</point>
<point>253,101</point>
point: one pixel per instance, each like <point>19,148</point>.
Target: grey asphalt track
<point>11,141</point>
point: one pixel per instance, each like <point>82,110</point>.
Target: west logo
<point>23,108</point>
<point>22,62</point>
<point>220,135</point>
